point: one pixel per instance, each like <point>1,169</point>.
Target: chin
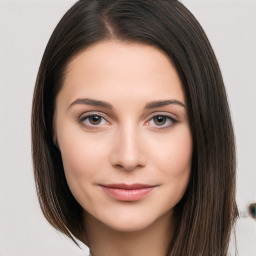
<point>129,226</point>
<point>130,223</point>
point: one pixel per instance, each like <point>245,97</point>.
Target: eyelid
<point>168,115</point>
<point>162,113</point>
<point>85,115</point>
<point>173,118</point>
<point>90,113</point>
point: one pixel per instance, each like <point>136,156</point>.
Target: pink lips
<point>124,192</point>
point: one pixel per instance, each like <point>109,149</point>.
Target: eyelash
<point>89,125</point>
<point>171,121</point>
<point>168,121</point>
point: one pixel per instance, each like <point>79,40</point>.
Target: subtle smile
<point>124,192</point>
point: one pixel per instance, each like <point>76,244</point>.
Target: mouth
<point>128,193</point>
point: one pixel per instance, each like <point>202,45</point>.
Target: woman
<point>133,145</point>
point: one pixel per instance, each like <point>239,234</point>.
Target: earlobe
<point>54,137</point>
<point>55,141</point>
<point>54,133</point>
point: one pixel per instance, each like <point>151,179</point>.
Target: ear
<point>54,137</point>
<point>54,132</point>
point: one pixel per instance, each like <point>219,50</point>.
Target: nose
<point>128,151</point>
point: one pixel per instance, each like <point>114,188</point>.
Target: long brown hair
<point>207,211</point>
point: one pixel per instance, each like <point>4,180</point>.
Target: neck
<point>151,241</point>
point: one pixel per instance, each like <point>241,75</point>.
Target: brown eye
<point>160,120</point>
<point>95,119</point>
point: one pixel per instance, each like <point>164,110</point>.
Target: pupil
<point>94,119</point>
<point>159,120</point>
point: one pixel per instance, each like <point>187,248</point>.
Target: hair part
<point>208,210</point>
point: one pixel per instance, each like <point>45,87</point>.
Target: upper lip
<point>128,186</point>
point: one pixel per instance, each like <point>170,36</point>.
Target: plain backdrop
<point>25,27</point>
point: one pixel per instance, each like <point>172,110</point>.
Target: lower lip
<point>127,194</point>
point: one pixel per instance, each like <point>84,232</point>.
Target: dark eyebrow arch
<point>91,102</point>
<point>99,103</point>
<point>162,103</point>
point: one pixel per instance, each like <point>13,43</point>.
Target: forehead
<point>114,68</point>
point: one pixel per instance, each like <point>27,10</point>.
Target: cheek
<point>74,166</point>
<point>174,153</point>
<point>80,158</point>
<point>80,151</point>
<point>73,155</point>
<point>173,160</point>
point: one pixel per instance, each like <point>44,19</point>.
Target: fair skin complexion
<point>121,118</point>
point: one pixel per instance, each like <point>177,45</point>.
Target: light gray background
<point>25,27</point>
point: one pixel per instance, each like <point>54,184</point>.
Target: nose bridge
<point>127,150</point>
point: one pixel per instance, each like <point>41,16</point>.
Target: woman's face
<point>122,128</point>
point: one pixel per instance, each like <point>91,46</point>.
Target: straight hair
<point>206,213</point>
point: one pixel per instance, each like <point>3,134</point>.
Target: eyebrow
<point>91,102</point>
<point>99,103</point>
<point>162,103</point>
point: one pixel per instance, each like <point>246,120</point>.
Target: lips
<point>127,192</point>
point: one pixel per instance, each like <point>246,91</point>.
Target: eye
<point>161,121</point>
<point>93,120</point>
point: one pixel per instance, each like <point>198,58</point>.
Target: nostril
<point>127,151</point>
<point>128,167</point>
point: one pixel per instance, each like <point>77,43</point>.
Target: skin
<point>125,143</point>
